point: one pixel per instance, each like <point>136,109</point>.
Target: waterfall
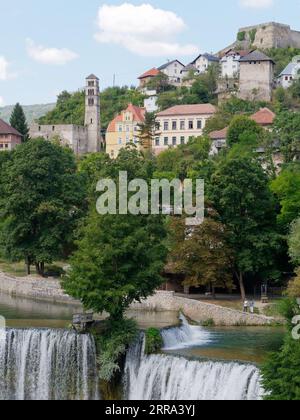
<point>185,336</point>
<point>47,365</point>
<point>162,377</point>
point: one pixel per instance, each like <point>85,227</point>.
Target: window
<point>157,142</point>
<point>182,140</point>
<point>40,128</point>
<point>6,146</point>
<point>91,84</point>
<point>120,128</point>
<point>174,125</point>
<point>191,125</point>
<point>127,128</point>
<point>166,141</point>
<point>91,92</point>
<point>174,141</point>
<point>53,128</point>
<point>166,126</point>
<point>182,125</point>
<point>157,126</point>
<point>120,141</point>
<point>1,146</point>
<point>91,120</point>
<point>199,124</point>
<point>91,102</point>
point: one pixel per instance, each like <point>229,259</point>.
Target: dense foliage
<point>119,258</point>
<point>42,199</point>
<point>153,341</point>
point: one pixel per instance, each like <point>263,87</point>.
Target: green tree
<point>147,131</point>
<point>43,198</point>
<point>18,121</point>
<point>240,193</point>
<point>119,257</point>
<point>202,254</point>
<point>294,242</point>
<point>287,129</point>
<point>240,126</point>
<point>281,371</point>
<point>287,188</point>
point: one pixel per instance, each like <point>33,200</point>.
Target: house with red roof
<point>123,130</point>
<point>9,137</point>
<point>146,77</point>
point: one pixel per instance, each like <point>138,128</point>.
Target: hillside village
<point>184,97</point>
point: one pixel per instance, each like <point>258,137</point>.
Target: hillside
<point>32,112</point>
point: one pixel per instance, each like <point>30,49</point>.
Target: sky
<point>52,45</point>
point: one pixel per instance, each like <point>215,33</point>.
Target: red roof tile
<point>7,129</point>
<point>150,73</point>
<point>219,134</point>
<point>138,116</point>
<point>264,117</point>
<point>200,109</point>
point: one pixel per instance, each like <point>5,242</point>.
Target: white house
<point>172,69</point>
<point>290,73</point>
<point>230,63</point>
<point>150,103</point>
<point>203,61</point>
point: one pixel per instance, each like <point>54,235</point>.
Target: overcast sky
<point>51,45</point>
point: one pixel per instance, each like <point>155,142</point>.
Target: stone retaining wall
<point>50,290</point>
<point>33,287</point>
<point>201,311</point>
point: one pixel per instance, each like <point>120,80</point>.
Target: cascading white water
<point>185,336</point>
<point>161,377</point>
<point>47,365</point>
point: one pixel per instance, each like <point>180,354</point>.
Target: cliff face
<point>266,35</point>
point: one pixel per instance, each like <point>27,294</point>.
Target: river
<point>41,359</point>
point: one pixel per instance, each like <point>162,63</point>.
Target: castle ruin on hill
<point>266,35</point>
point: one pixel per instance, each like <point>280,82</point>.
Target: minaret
<point>92,114</point>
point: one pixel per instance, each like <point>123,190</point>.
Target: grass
<point>18,269</point>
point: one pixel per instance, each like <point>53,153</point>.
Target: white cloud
<point>143,30</point>
<point>257,4</point>
<point>4,69</point>
<point>44,55</point>
<point>2,103</point>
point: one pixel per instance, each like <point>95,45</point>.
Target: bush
<point>241,36</point>
<point>208,323</point>
<point>112,345</point>
<point>154,341</point>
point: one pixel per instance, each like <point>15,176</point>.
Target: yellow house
<point>124,129</point>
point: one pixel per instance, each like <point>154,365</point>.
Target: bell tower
<point>92,114</point>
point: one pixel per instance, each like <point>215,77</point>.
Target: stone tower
<point>92,114</point>
<point>256,77</point>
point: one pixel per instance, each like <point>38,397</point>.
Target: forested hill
<point>32,112</point>
<point>69,108</point>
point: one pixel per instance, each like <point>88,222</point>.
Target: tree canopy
<point>42,200</point>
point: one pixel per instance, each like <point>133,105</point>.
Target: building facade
<point>150,103</point>
<point>290,74</point>
<point>256,77</point>
<point>9,137</point>
<point>124,130</point>
<point>203,61</point>
<point>81,139</point>
<point>177,125</point>
<point>173,70</point>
